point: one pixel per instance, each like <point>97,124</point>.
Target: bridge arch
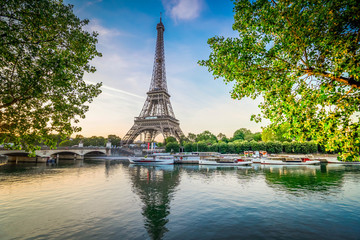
<point>95,152</point>
<point>65,155</point>
<point>44,154</point>
<point>153,131</point>
<point>20,156</point>
<point>15,153</point>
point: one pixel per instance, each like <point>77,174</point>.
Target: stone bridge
<point>44,155</point>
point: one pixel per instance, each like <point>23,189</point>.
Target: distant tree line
<point>97,141</point>
<point>270,140</point>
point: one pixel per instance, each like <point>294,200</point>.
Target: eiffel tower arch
<point>157,116</point>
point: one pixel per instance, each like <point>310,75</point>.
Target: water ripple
<point>118,201</point>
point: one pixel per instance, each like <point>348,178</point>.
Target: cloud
<point>183,9</point>
<point>104,87</point>
<point>104,33</point>
<point>89,3</point>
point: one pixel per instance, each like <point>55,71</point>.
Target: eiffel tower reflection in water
<point>155,186</point>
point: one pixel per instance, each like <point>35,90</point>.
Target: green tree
<point>273,147</point>
<point>183,139</point>
<point>56,138</point>
<point>66,143</point>
<point>44,54</point>
<point>78,138</point>
<point>192,137</point>
<point>276,134</point>
<point>268,135</point>
<point>257,136</point>
<point>159,144</point>
<point>222,137</point>
<point>170,139</point>
<point>206,136</point>
<point>241,133</point>
<point>115,140</point>
<point>303,58</point>
<point>95,141</point>
<point>201,146</point>
<point>172,147</point>
<point>223,147</point>
<point>189,147</point>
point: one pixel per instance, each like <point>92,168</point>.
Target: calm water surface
<point>109,200</point>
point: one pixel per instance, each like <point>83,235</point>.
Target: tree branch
<point>15,100</point>
<point>347,81</point>
<point>345,95</point>
<point>296,35</point>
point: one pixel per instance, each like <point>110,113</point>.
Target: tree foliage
<point>222,137</point>
<point>44,54</point>
<point>95,141</point>
<point>241,133</point>
<point>192,137</point>
<point>253,137</point>
<point>115,140</point>
<point>303,58</point>
<point>172,147</point>
<point>170,139</point>
<point>277,134</point>
<point>206,136</point>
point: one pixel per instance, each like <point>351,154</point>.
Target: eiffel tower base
<point>150,128</point>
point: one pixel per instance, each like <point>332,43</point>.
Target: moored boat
<point>224,161</point>
<point>289,161</point>
<point>256,160</point>
<point>156,158</point>
<point>187,158</point>
<point>255,156</point>
<point>336,161</point>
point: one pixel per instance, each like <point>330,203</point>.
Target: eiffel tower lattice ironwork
<point>157,115</point>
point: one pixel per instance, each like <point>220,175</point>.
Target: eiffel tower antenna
<point>157,116</point>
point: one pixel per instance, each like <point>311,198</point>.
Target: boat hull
<point>187,159</point>
<point>279,162</point>
<point>341,162</point>
<point>256,160</point>
<point>151,161</point>
<point>208,162</point>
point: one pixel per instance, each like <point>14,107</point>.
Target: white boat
<point>156,158</point>
<point>289,161</point>
<point>224,161</point>
<point>256,156</point>
<point>256,160</point>
<point>190,158</point>
<point>333,159</point>
<point>336,161</point>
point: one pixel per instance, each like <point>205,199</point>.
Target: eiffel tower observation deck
<point>157,116</point>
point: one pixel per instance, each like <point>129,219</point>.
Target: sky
<point>127,38</point>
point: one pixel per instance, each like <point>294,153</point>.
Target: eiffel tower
<point>157,115</point>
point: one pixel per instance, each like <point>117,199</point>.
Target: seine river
<point>114,200</point>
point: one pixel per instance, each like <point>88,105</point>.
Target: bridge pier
<point>108,151</point>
